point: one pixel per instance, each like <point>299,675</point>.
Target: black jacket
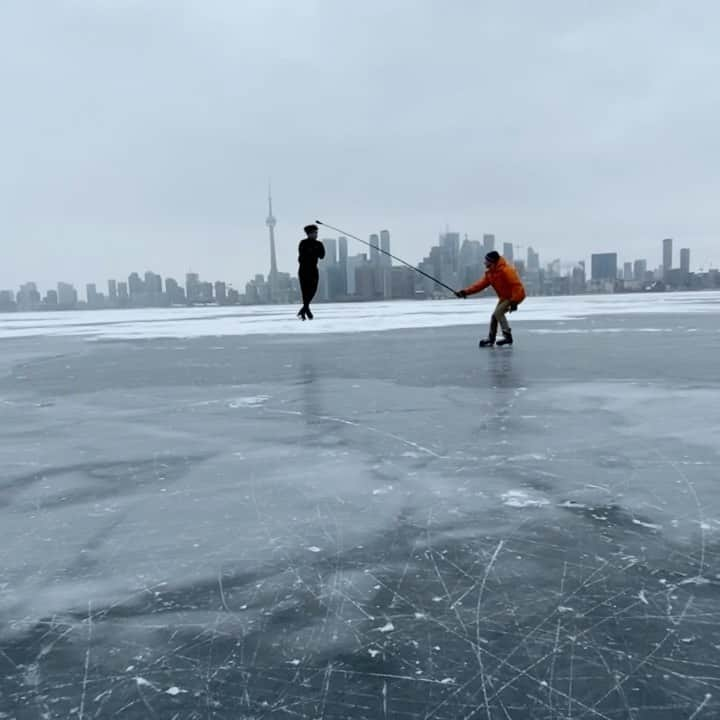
<point>309,252</point>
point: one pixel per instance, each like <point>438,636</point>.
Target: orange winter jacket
<point>505,281</point>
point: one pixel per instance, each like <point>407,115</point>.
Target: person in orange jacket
<point>504,279</point>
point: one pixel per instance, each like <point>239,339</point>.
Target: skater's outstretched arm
<point>476,287</point>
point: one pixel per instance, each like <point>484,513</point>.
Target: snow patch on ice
<point>650,526</point>
<point>521,499</point>
<point>340,318</point>
<point>383,490</point>
<point>252,401</point>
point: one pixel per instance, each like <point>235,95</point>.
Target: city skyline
<point>367,276</point>
<point>561,145</point>
<point>279,280</point>
<point>286,255</point>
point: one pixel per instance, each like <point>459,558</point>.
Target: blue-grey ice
<point>232,514</point>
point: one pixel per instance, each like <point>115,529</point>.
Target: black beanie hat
<point>493,256</point>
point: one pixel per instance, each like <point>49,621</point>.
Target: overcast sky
<point>140,134</point>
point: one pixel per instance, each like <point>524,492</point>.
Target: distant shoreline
<point>348,301</point>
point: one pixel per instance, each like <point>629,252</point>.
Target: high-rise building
<point>578,280</point>
<point>353,263</point>
<point>91,294</point>
<point>7,300</point>
<point>112,290</point>
<point>123,293</point>
<point>449,256</point>
<point>28,298</point>
<point>685,261</point>
<point>533,260</point>
<point>470,265</point>
<point>374,251</point>
<point>627,271</point>
<point>271,222</point>
<point>67,295</point>
<point>192,287</point>
<point>667,255</point>
<point>135,285</point>
<point>342,250</point>
<point>366,280</point>
<point>330,251</point>
<point>508,252</point>
<point>153,284</point>
<point>403,283</point>
<point>604,267</point>
<point>175,294</point>
<point>639,270</point>
<point>386,260</point>
<point>220,293</point>
<point>488,242</point>
<point>337,281</point>
<point>51,299</point>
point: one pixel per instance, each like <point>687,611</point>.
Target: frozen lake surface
<point>201,517</point>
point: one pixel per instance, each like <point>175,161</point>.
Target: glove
<point>513,307</point>
<point>460,294</point>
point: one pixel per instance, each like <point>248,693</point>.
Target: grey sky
<point>140,135</point>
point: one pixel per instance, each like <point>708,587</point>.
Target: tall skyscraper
<point>175,294</point>
<point>330,250</point>
<point>667,255</point>
<point>604,267</point>
<point>627,272</point>
<point>153,283</point>
<point>136,285</point>
<point>385,247</point>
<point>450,255</point>
<point>533,260</point>
<point>220,292</point>
<point>342,250</point>
<point>91,294</point>
<point>29,298</point>
<point>271,222</point>
<point>488,242</point>
<point>112,290</point>
<point>374,252</point>
<point>355,263</point>
<point>685,261</point>
<point>508,252</point>
<point>7,299</point>
<point>67,295</point>
<point>639,270</point>
<point>192,287</point>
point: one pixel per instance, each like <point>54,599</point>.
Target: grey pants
<point>498,317</point>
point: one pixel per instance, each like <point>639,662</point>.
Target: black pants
<point>309,278</point>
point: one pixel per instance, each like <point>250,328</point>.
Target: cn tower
<point>271,222</point>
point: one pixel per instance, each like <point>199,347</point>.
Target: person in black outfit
<point>310,251</point>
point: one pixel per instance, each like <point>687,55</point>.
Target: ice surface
<point>349,317</point>
<point>367,526</point>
